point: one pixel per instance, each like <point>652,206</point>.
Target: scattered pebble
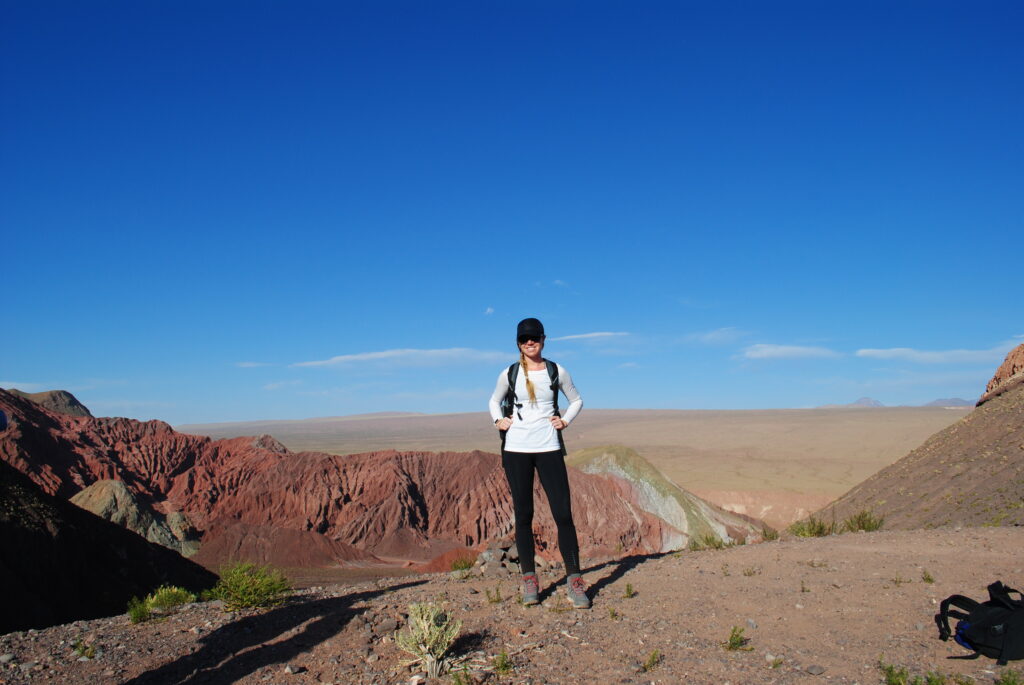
<point>815,669</point>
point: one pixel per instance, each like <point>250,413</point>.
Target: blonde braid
<point>526,375</point>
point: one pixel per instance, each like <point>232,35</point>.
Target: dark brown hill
<point>1009,375</point>
<point>60,401</point>
<point>970,474</point>
<point>60,563</point>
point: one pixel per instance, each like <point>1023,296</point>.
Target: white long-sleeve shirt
<point>531,429</point>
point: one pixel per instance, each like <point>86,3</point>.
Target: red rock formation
<point>397,505</point>
<point>1010,374</point>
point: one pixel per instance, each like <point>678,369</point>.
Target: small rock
<point>799,606</point>
<point>752,623</point>
<point>194,630</point>
<point>815,669</point>
<point>417,680</point>
<point>28,665</point>
<point>292,670</point>
<point>372,658</point>
<point>769,657</point>
<point>6,658</point>
<point>918,626</point>
<point>473,591</point>
<point>388,625</point>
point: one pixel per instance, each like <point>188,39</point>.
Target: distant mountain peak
<point>863,402</point>
<point>949,402</point>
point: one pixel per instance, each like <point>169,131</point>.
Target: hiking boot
<point>531,589</point>
<point>576,588</point>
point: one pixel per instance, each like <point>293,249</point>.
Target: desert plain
<point>777,465</point>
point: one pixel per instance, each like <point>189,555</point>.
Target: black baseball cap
<point>530,328</point>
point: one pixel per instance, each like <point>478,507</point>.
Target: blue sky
<point>217,211</point>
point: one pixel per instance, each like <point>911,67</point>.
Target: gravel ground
<point>820,610</point>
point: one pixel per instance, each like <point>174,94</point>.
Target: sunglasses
<point>530,338</point>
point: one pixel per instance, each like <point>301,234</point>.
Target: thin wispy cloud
<point>591,336</point>
<point>629,365</point>
<point>250,365</point>
<point>489,311</point>
<point>24,387</point>
<point>719,336</point>
<point>411,357</point>
<point>769,351</point>
<point>909,354</point>
<point>281,384</point>
<point>561,284</point>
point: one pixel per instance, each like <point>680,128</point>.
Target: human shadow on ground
<point>620,568</point>
<point>237,649</point>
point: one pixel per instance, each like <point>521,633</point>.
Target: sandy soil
<point>813,610</point>
<point>782,463</point>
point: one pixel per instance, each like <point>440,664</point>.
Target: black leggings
<point>519,467</point>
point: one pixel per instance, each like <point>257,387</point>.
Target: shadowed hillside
<point>59,563</point>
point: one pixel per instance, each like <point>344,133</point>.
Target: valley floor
<point>818,610</point>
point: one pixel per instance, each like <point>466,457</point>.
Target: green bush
<point>736,641</point>
<point>863,520</point>
<point>706,541</point>
<point>245,584</point>
<point>812,527</point>
<point>167,598</point>
<point>1009,677</point>
<point>138,610</point>
<point>769,534</point>
<point>462,564</point>
<point>501,663</point>
<point>652,661</point>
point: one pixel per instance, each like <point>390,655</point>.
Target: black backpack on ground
<point>994,628</point>
<point>509,403</point>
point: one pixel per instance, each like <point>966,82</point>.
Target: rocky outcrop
<point>60,563</point>
<point>397,506</point>
<point>60,401</point>
<point>1010,374</point>
<point>649,491</point>
<point>969,474</point>
<point>113,501</point>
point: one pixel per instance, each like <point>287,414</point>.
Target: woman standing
<point>531,429</point>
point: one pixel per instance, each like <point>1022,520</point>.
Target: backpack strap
<point>553,376</point>
<point>1000,594</point>
<point>510,395</point>
<point>942,618</point>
